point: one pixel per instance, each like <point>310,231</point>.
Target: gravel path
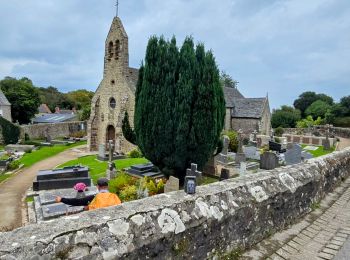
<point>13,190</point>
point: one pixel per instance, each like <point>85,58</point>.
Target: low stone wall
<point>52,130</point>
<point>337,131</point>
<point>219,219</point>
<point>310,140</point>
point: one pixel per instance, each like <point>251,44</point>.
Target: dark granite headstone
<point>268,161</point>
<point>273,146</point>
<point>63,178</point>
<point>145,170</point>
<point>225,174</point>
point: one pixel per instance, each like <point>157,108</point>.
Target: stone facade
<point>115,94</point>
<point>221,218</point>
<point>39,131</point>
<point>247,114</point>
<point>5,107</point>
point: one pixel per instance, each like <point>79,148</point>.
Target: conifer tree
<point>179,106</point>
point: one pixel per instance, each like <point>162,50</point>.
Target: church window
<point>110,50</point>
<point>112,102</point>
<point>117,49</point>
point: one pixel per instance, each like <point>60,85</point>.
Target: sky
<point>276,47</point>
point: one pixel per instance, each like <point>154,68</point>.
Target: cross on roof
<point>117,7</point>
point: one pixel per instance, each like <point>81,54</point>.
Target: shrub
<point>121,181</point>
<point>279,131</point>
<point>128,193</point>
<point>160,186</point>
<point>136,153</point>
<point>152,188</point>
<point>10,132</point>
<point>14,165</point>
<point>277,140</point>
<point>233,145</point>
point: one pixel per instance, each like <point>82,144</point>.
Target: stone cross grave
<point>254,135</point>
<point>293,155</point>
<point>240,156</point>
<point>223,158</point>
<point>272,137</point>
<point>111,171</point>
<point>172,184</point>
<point>192,175</point>
<point>326,143</point>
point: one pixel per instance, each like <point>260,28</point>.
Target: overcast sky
<point>279,47</point>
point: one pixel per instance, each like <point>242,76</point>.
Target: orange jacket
<point>105,199</point>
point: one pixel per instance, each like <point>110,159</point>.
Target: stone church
<point>116,94</point>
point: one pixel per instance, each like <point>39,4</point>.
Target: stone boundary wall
<point>337,131</point>
<point>53,130</point>
<point>307,139</point>
<point>220,218</point>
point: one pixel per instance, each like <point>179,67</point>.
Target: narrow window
<point>117,49</point>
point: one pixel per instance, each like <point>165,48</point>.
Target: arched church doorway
<point>110,135</point>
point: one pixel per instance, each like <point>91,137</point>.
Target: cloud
<point>283,47</point>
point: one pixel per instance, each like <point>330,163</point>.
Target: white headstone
<point>172,184</point>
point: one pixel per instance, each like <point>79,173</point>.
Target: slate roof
<point>3,100</point>
<point>43,108</point>
<point>248,107</point>
<point>54,118</point>
<point>231,94</point>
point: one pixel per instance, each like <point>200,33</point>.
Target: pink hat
<point>80,186</point>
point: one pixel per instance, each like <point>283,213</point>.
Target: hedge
<point>10,132</point>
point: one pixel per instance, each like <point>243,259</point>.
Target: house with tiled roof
<point>247,114</point>
<point>5,107</point>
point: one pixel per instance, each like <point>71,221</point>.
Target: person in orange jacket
<point>101,200</point>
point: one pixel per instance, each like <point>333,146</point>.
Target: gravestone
<point>192,179</point>
<point>274,146</point>
<point>251,152</point>
<point>225,174</point>
<point>240,156</point>
<point>243,169</point>
<point>210,166</point>
<point>326,143</point>
<point>102,151</point>
<point>145,170</point>
<point>268,161</point>
<point>111,171</point>
<point>172,184</point>
<point>63,178</point>
<point>293,155</point>
<point>272,137</point>
<point>222,157</point>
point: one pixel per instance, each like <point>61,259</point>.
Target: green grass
<point>4,177</point>
<point>30,199</point>
<point>98,168</point>
<point>207,180</point>
<point>45,152</point>
<point>320,151</point>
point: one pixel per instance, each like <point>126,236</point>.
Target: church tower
<point>115,94</point>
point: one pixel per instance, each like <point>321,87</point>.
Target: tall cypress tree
<point>180,107</point>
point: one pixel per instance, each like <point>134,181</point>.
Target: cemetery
<point>158,136</point>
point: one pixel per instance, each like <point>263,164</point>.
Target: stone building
<point>5,107</point>
<point>115,94</point>
<point>248,114</point>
